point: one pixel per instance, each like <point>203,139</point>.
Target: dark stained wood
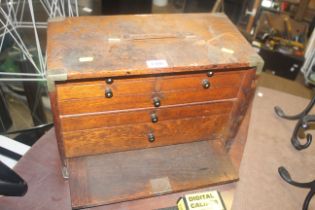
<point>107,119</point>
<point>120,45</point>
<point>130,137</point>
<point>146,85</point>
<point>110,178</point>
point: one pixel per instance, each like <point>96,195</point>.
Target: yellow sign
<point>210,200</point>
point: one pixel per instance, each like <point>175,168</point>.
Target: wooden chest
<point>147,104</point>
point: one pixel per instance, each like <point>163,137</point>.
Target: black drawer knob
<point>156,102</point>
<point>154,118</point>
<point>108,93</point>
<point>109,81</point>
<point>210,73</point>
<point>151,137</point>
<point>205,84</point>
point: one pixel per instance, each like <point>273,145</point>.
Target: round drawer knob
<point>151,137</point>
<point>205,84</point>
<point>154,118</point>
<point>210,73</point>
<point>108,93</point>
<point>156,102</point>
<point>109,80</point>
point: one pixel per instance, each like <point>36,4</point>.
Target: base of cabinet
<point>116,177</point>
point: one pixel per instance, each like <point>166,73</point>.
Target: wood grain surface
<point>245,97</point>
<point>135,136</point>
<point>131,102</point>
<point>111,178</point>
<point>121,45</point>
<point>106,140</point>
<point>122,86</point>
<point>116,118</point>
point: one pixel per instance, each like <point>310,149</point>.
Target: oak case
<point>126,130</point>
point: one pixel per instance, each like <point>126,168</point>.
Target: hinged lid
<point>95,47</point>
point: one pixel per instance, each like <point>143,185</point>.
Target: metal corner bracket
<point>56,19</point>
<point>53,76</point>
<point>258,62</point>
<point>65,172</point>
<point>64,169</point>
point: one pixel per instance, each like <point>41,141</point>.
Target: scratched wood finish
<point>130,137</point>
<point>96,120</point>
<point>110,178</point>
<point>237,145</point>
<point>245,97</point>
<point>120,45</point>
<point>123,86</point>
<point>105,140</point>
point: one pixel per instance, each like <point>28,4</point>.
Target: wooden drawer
<point>135,93</point>
<point>109,119</point>
<point>136,136</point>
<point>133,102</point>
<point>147,85</point>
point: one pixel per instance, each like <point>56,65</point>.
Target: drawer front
<point>144,135</point>
<point>146,85</point>
<point>132,102</point>
<point>147,92</point>
<point>157,115</point>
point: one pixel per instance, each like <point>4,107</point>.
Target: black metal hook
<point>307,109</point>
<point>303,123</point>
<point>285,175</point>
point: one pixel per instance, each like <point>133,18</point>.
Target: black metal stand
<point>285,175</point>
<point>303,123</point>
